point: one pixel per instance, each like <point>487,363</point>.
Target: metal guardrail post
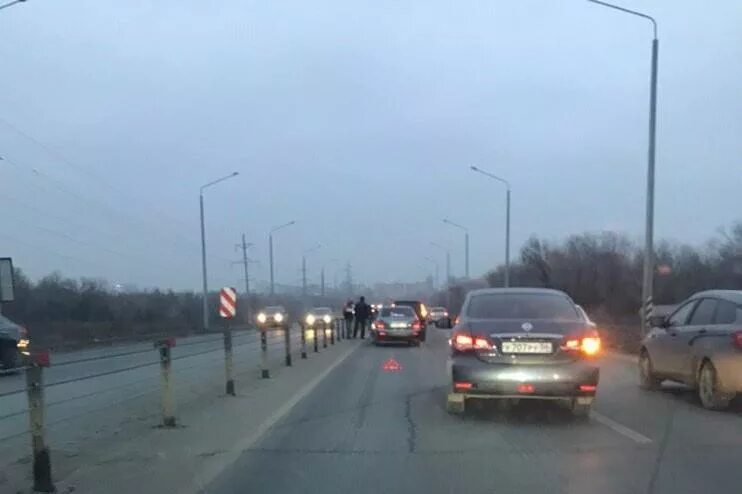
<point>287,344</point>
<point>264,372</point>
<point>168,403</point>
<point>338,330</point>
<point>228,362</point>
<point>324,334</point>
<point>332,332</point>
<point>42,469</point>
<point>303,341</point>
<point>315,338</point>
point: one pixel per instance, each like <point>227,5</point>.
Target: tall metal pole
<point>448,267</point>
<point>10,4</point>
<point>270,256</point>
<point>245,264</point>
<point>322,281</point>
<point>648,282</point>
<point>205,306</point>
<point>648,274</point>
<point>507,238</point>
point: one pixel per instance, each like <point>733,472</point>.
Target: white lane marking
<point>211,473</point>
<point>620,428</point>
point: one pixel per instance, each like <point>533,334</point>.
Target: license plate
<point>526,347</point>
<point>399,325</point>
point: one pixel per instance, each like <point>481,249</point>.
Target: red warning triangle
<point>391,365</point>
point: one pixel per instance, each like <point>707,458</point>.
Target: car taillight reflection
<point>416,326</point>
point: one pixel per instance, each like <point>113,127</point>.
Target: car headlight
<point>278,317</point>
<point>310,319</point>
<point>262,318</point>
<point>22,343</point>
<point>327,319</point>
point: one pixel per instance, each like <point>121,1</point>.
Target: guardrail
<point>279,341</point>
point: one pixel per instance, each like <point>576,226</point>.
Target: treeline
<point>603,271</point>
<point>61,312</point>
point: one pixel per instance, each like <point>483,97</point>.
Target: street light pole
<point>304,270</point>
<point>466,244</point>
<point>270,252</point>
<point>648,274</point>
<point>205,288</point>
<point>507,220</point>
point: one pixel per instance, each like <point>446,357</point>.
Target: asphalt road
<point>366,429</point>
<point>84,382</point>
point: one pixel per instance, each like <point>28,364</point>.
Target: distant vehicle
<point>274,316</point>
<point>398,323</point>
<point>420,310</point>
<point>516,343</point>
<point>318,316</point>
<point>438,316</point>
<point>13,344</point>
<point>700,345</point>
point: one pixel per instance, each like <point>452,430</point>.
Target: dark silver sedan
<point>700,345</point>
<point>396,323</point>
<point>517,343</point>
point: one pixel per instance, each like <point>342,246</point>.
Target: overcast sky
<point>359,120</point>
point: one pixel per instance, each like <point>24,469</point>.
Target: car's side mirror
<point>657,321</point>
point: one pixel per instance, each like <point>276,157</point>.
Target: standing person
<point>363,312</point>
<point>348,315</point>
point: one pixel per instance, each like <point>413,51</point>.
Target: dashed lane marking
<point>620,428</point>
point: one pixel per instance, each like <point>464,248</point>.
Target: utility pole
<point>322,281</point>
<point>349,278</point>
<point>304,276</point>
<point>244,246</point>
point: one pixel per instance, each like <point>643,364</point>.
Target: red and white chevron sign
<point>227,302</point>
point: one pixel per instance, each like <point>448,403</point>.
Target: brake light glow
<point>482,344</point>
<point>462,385</point>
<point>416,326</point>
<point>591,345</point>
<point>379,325</point>
<point>463,342</point>
<point>737,339</point>
<point>526,388</point>
<point>588,387</point>
<point>588,345</point>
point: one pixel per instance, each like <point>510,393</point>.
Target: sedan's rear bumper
<point>396,336</point>
<point>476,378</point>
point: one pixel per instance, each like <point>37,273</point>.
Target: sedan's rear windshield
<point>276,308</point>
<point>397,312</point>
<point>521,306</point>
<point>438,309</point>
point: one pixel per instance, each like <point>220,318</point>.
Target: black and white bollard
<point>287,344</point>
<point>42,468</point>
<point>264,372</point>
<point>303,342</point>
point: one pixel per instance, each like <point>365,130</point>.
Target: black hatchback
<point>523,343</point>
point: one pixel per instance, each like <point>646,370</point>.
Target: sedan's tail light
<point>463,341</point>
<point>737,339</point>
<point>379,325</point>
<point>416,326</point>
<point>589,343</point>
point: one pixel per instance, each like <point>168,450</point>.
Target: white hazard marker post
<point>227,311</point>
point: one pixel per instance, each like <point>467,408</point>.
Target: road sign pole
<point>228,362</point>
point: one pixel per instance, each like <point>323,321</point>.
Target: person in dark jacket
<point>363,313</point>
<point>348,316</point>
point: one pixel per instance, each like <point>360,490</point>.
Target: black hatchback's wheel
<point>708,389</point>
<point>647,378</point>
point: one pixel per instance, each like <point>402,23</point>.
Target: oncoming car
<point>13,344</point>
<point>515,343</point>
<point>399,323</point>
<point>700,345</point>
<point>274,316</point>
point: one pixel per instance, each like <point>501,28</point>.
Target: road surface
<point>369,430</point>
